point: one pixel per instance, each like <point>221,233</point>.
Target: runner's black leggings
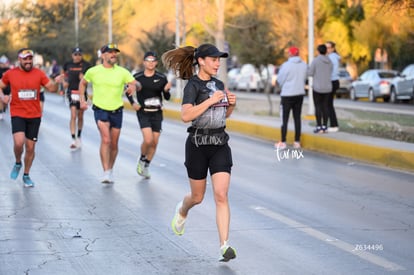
<point>293,103</point>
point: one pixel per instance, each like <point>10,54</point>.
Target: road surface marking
<point>377,260</point>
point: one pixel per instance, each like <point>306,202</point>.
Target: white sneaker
<point>1,116</point>
<point>140,167</point>
<point>280,145</point>
<point>296,145</point>
<point>73,145</point>
<point>78,143</point>
<point>145,172</point>
<point>178,221</point>
<point>333,129</point>
<point>106,178</point>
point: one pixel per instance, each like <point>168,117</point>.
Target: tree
<point>252,38</point>
<point>159,39</point>
<point>48,27</point>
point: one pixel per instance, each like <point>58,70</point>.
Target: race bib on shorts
<point>74,95</point>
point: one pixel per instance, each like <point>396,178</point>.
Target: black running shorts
<point>30,126</point>
<point>198,160</point>
<point>151,120</point>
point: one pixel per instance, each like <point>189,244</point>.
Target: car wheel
<point>352,94</point>
<point>371,95</point>
<point>393,96</point>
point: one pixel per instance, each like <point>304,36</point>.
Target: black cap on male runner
<point>77,50</point>
<point>110,47</point>
<point>150,53</point>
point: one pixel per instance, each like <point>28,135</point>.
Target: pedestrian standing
<point>4,66</point>
<point>291,78</point>
<point>25,109</point>
<point>108,81</point>
<point>73,71</point>
<point>321,71</point>
<point>153,86</point>
<point>206,105</point>
<point>335,59</point>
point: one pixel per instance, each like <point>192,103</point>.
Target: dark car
<point>373,84</point>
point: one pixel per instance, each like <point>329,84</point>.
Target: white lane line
<point>377,260</point>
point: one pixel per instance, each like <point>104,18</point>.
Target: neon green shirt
<point>108,85</point>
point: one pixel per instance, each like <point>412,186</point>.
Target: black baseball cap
<point>77,50</point>
<point>205,50</point>
<point>150,53</point>
<point>110,47</point>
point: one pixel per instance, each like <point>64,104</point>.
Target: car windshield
<point>343,74</point>
<point>387,74</point>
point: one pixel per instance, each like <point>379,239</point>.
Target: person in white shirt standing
<point>335,59</point>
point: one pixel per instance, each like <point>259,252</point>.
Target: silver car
<point>345,83</point>
<point>373,84</point>
<point>402,87</point>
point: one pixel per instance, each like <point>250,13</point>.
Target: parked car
<point>402,87</point>
<point>345,83</point>
<point>272,70</point>
<point>233,78</point>
<point>373,84</point>
<point>249,79</point>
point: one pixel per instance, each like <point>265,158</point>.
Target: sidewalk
<point>384,152</point>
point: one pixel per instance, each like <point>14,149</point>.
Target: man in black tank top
<point>73,71</point>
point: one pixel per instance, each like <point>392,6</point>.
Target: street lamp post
<point>76,24</point>
<point>179,82</point>
<point>311,108</point>
<point>110,21</point>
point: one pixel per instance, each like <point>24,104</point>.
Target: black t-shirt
<point>196,91</point>
<point>150,96</point>
<point>73,70</point>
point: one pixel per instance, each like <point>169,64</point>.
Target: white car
<point>249,79</point>
<point>272,70</point>
<point>233,78</point>
<point>402,87</point>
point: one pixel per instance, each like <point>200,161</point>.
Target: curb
<point>388,157</point>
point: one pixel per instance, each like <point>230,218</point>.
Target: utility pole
<point>110,21</point>
<point>178,11</point>
<point>311,108</point>
<point>76,24</point>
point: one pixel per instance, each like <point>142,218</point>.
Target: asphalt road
<point>295,213</point>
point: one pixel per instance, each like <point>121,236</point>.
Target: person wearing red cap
<point>25,110</point>
<point>291,78</point>
<point>206,104</point>
<point>108,81</point>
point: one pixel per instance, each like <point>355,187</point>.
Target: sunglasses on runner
<point>110,47</point>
